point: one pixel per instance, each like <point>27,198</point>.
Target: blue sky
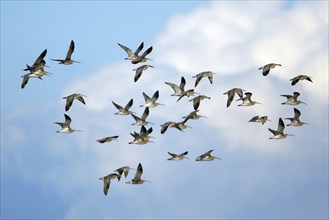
<point>49,175</point>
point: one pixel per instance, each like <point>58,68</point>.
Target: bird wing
<point>139,171</point>
<point>69,101</point>
<point>155,96</point>
<point>128,50</point>
<point>40,58</point>
<point>25,80</point>
<point>102,140</point>
<point>175,87</point>
<point>70,51</point>
<point>67,120</point>
<point>81,99</point>
<point>198,79</point>
<point>145,113</point>
<point>119,107</point>
<point>146,97</point>
<point>280,126</point>
<point>129,104</point>
<point>138,73</point>
<point>140,47</point>
<point>146,52</point>
<point>295,80</point>
<point>266,69</point>
<point>297,113</point>
<point>183,154</point>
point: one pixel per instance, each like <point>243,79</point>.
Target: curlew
<point>71,98</point>
<point>296,79</point>
<point>137,179</point>
<point>107,139</point>
<point>66,125</point>
<point>68,60</point>
<point>207,157</point>
<point>39,63</point>
<point>141,120</point>
<point>231,93</point>
<point>199,76</point>
<point>125,110</point>
<point>178,90</point>
<point>178,156</point>
<point>169,124</point>
<point>258,119</point>
<point>37,73</point>
<point>292,99</point>
<point>134,57</point>
<point>278,133</point>
<point>246,101</point>
<point>142,137</point>
<point>295,121</point>
<point>140,70</point>
<point>107,181</point>
<point>194,115</point>
<point>123,170</point>
<point>266,69</point>
<point>151,102</point>
<point>197,100</point>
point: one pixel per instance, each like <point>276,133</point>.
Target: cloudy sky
<point>46,175</point>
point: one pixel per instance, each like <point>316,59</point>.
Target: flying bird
<point>36,73</point>
<point>66,125</point>
<point>194,115</point>
<point>292,99</point>
<point>207,157</point>
<point>71,98</point>
<point>39,63</point>
<point>266,69</point>
<point>107,181</point>
<point>296,79</point>
<point>231,93</point>
<point>107,139</point>
<point>137,179</point>
<point>143,137</point>
<point>68,60</point>
<point>142,120</point>
<point>295,121</point>
<point>246,101</point>
<point>125,110</point>
<point>151,102</point>
<point>169,124</point>
<point>123,170</point>
<point>178,90</point>
<point>258,119</point>
<point>178,156</point>
<point>199,76</point>
<point>197,100</point>
<point>135,57</point>
<point>278,133</point>
<point>140,70</point>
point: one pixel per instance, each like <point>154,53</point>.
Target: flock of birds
<point>36,70</point>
